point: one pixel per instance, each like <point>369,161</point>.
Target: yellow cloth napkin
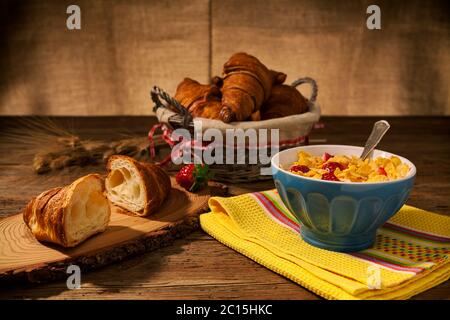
<point>411,253</point>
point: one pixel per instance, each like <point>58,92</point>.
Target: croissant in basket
<point>284,101</point>
<point>69,215</point>
<point>201,100</point>
<point>247,83</point>
<point>136,186</point>
<point>247,91</point>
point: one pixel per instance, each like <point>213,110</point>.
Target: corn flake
<point>349,169</point>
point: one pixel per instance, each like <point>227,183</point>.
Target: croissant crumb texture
<point>69,215</point>
<point>138,187</point>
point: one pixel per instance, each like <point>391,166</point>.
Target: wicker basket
<point>293,131</point>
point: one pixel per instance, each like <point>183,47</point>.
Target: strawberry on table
<point>193,177</point>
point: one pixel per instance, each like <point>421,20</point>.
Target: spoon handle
<point>378,131</point>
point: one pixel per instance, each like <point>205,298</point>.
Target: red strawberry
<point>330,176</point>
<point>299,168</point>
<point>326,156</point>
<point>193,177</point>
<point>382,171</point>
<point>331,166</point>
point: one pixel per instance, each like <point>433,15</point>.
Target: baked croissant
<point>284,101</point>
<point>69,215</point>
<point>278,77</point>
<point>136,186</point>
<point>246,85</point>
<point>201,100</point>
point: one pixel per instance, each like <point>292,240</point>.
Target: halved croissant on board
<point>284,101</point>
<point>136,186</point>
<point>201,100</point>
<point>246,85</point>
<point>69,215</point>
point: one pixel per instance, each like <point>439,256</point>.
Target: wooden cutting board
<point>23,258</point>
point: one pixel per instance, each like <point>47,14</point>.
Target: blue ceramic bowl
<point>339,216</point>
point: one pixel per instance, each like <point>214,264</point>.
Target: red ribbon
<point>166,132</point>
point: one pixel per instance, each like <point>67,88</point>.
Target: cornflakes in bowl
<point>349,168</point>
<point>339,199</point>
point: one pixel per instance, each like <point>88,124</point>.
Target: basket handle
<point>313,84</point>
<point>157,94</point>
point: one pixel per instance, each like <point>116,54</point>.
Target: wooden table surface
<point>199,267</point>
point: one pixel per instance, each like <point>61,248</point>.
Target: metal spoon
<point>378,131</point>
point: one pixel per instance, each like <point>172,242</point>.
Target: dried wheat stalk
<point>75,152</point>
<point>54,148</point>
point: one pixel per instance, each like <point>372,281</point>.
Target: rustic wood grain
<point>198,267</point>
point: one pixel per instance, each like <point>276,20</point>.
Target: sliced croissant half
<point>136,186</point>
<point>69,215</point>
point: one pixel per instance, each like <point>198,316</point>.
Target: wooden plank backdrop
<point>126,47</point>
